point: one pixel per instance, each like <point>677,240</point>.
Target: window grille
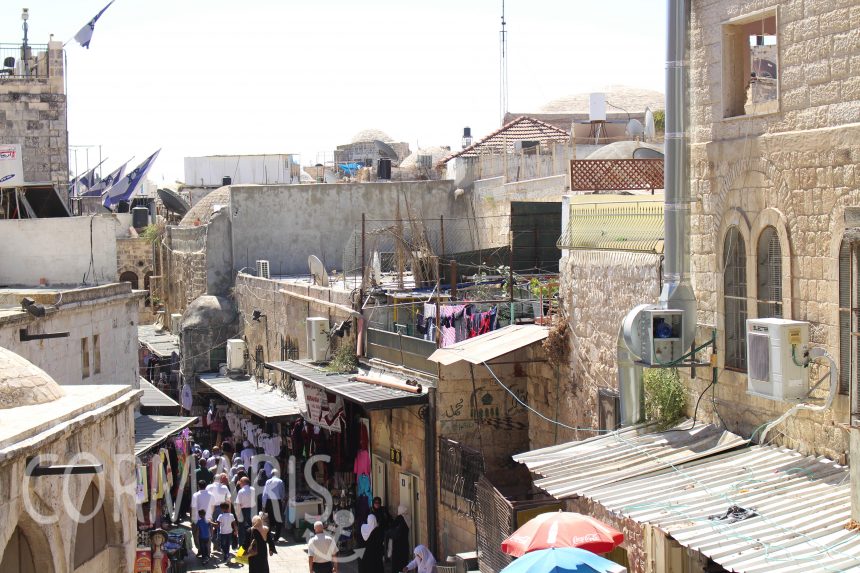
<point>769,275</point>
<point>735,299</point>
<point>849,319</point>
<point>460,468</point>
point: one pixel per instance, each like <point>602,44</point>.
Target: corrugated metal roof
<point>264,400</point>
<point>502,140</point>
<point>150,431</point>
<point>160,342</point>
<point>155,398</point>
<point>488,346</point>
<point>618,225</point>
<point>574,469</point>
<point>370,396</point>
<point>803,504</point>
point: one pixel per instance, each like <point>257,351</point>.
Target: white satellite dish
<point>376,268</point>
<point>650,129</point>
<point>634,129</point>
<point>318,271</point>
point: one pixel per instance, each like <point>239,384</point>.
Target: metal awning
<point>155,398</point>
<point>575,468</point>
<point>369,396</point>
<point>262,399</point>
<point>488,346</point>
<point>160,342</point>
<point>803,505</point>
<point>150,431</point>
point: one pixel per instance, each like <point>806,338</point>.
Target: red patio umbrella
<point>562,529</point>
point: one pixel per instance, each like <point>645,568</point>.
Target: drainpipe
<point>430,479</point>
<point>677,293</point>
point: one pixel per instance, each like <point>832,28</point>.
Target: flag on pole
<point>106,183</point>
<point>85,34</point>
<point>123,189</point>
<point>87,180</point>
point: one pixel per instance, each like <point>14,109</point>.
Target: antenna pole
<point>503,67</point>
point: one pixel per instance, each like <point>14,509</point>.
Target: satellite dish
<point>650,129</point>
<point>376,269</point>
<point>634,129</point>
<point>173,202</point>
<point>318,271</point>
<point>647,153</point>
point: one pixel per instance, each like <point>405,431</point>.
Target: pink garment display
<point>362,463</point>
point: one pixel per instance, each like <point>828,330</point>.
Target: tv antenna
<point>503,67</point>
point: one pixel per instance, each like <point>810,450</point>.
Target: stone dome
<point>438,153</point>
<point>372,135</point>
<point>208,312</point>
<point>631,100</point>
<point>622,150</point>
<point>22,383</point>
<point>201,212</point>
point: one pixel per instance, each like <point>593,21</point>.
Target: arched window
<point>735,299</point>
<point>129,277</point>
<point>18,555</point>
<point>769,274</point>
<point>91,537</point>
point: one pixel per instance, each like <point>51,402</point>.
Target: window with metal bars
<point>849,316</point>
<point>735,299</point>
<point>460,468</point>
<point>769,275</point>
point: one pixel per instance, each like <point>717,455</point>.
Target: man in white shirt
<point>201,499</point>
<point>220,493</point>
<point>246,500</point>
<point>321,551</point>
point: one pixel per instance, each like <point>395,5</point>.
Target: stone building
<point>775,196</point>
<point>79,336</point>
<point>80,523</point>
<point>33,113</point>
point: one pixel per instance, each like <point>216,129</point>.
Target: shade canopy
<point>564,560</point>
<point>562,529</point>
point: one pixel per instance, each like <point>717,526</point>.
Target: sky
<point>210,77</point>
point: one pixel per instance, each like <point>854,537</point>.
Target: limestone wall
<point>107,434</point>
<point>185,258</point>
<point>33,113</point>
<point>794,170</point>
<point>597,289</point>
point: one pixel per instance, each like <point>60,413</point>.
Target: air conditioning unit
<point>235,355</point>
<point>317,340</point>
<point>263,269</point>
<point>175,323</point>
<point>775,358</point>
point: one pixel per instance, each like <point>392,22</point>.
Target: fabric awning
<point>155,398</point>
<point>262,399</point>
<point>369,396</point>
<point>488,346</point>
<point>150,431</point>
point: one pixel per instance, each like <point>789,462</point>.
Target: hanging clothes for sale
<point>142,489</point>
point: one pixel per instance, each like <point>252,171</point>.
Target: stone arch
<point>129,277</point>
<point>40,555</point>
<point>114,532</point>
<point>774,218</point>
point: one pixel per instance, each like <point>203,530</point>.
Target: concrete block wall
<point>793,170</point>
<point>33,115</point>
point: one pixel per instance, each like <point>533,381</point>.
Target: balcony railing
<point>406,351</point>
<point>19,62</point>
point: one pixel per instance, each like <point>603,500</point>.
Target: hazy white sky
<point>204,77</point>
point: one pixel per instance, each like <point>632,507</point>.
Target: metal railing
<point>407,351</point>
<point>19,62</point>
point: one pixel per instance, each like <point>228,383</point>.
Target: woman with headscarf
<point>372,536</point>
<point>397,540</point>
<point>263,544</point>
<point>424,561</point>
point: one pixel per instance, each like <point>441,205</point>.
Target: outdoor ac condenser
<point>775,358</point>
<point>317,340</point>
<point>263,269</point>
<point>235,355</point>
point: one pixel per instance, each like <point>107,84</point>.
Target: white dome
<point>629,99</point>
<point>371,135</point>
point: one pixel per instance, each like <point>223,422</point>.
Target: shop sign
<point>396,456</point>
<point>324,409</point>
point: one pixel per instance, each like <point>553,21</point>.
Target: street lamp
<point>25,49</point>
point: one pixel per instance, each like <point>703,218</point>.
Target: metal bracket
<point>26,337</point>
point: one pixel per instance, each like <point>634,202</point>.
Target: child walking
<point>204,535</point>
